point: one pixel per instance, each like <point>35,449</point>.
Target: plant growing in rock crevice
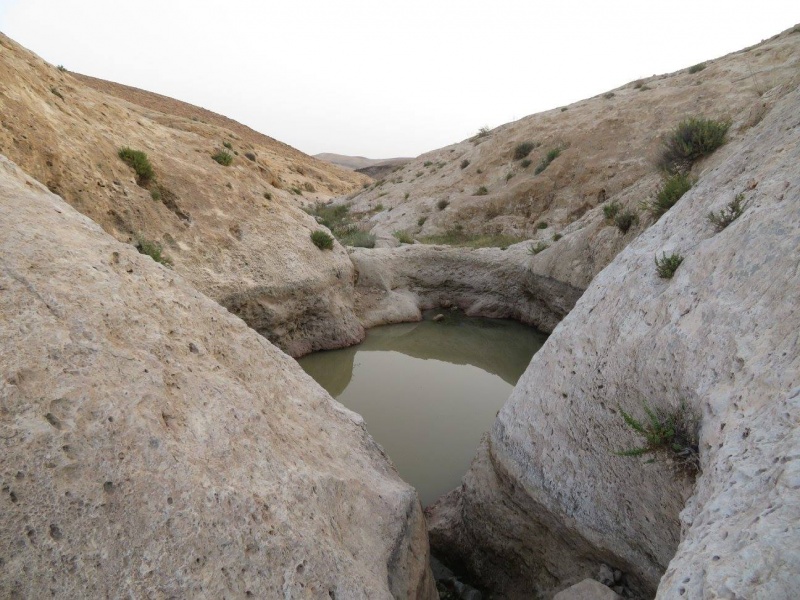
<point>153,250</point>
<point>690,140</point>
<point>673,434</point>
<point>625,220</point>
<point>322,239</point>
<point>551,155</point>
<point>732,211</point>
<point>667,265</point>
<point>673,188</point>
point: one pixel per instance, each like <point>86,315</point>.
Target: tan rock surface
<point>588,589</point>
<point>394,284</point>
<point>547,501</point>
<point>153,445</point>
<point>252,254</point>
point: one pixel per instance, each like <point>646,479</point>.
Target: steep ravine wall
<point>547,500</point>
<point>153,445</point>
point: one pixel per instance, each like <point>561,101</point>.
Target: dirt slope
<point>235,232</point>
<point>609,149</point>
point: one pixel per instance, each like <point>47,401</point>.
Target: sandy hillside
<point>236,232</point>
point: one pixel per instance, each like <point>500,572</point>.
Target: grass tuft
<point>673,434</point>
<point>153,250</point>
<point>551,155</point>
<point>322,239</point>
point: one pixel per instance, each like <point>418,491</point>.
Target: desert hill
<point>236,232</point>
<point>607,152</point>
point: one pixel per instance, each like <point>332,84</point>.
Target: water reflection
<point>429,390</point>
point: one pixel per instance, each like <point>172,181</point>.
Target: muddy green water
<point>428,391</point>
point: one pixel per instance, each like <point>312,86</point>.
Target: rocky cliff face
<point>153,445</point>
<point>236,232</point>
<point>547,501</point>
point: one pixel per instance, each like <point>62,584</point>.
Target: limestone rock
<point>547,500</point>
<point>153,445</point>
<point>588,589</point>
<point>489,282</point>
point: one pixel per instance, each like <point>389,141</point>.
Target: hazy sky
<point>383,79</point>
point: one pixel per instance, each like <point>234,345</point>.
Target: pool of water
<point>429,390</point>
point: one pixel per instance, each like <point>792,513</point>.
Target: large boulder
<point>153,445</point>
<point>548,500</point>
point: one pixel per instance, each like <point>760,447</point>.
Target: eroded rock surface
<point>153,445</point>
<point>547,500</point>
<point>395,283</point>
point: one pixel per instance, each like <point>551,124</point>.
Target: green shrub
<point>667,265</point>
<point>421,221</point>
<point>611,210</point>
<point>732,211</point>
<point>228,145</point>
<point>541,225</point>
<point>673,188</point>
<point>223,158</point>
<point>155,194</point>
<point>674,434</point>
<point>557,236</point>
<point>268,195</point>
<point>458,237</point>
<point>309,187</point>
<point>406,195</point>
<point>442,204</point>
<point>296,190</point>
<point>464,164</point>
<point>427,163</point>
<point>322,240</point>
<point>250,156</point>
<point>523,149</point>
<point>153,250</point>
<point>138,161</point>
<point>403,237</point>
<point>62,68</point>
<point>609,95</point>
<point>56,93</point>
<point>525,163</point>
<point>564,109</point>
<point>690,140</point>
<point>535,249</point>
<point>625,220</point>
<point>697,68</point>
<point>548,158</point>
<point>509,176</point>
<point>481,191</point>
<point>358,238</point>
<point>332,216</point>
